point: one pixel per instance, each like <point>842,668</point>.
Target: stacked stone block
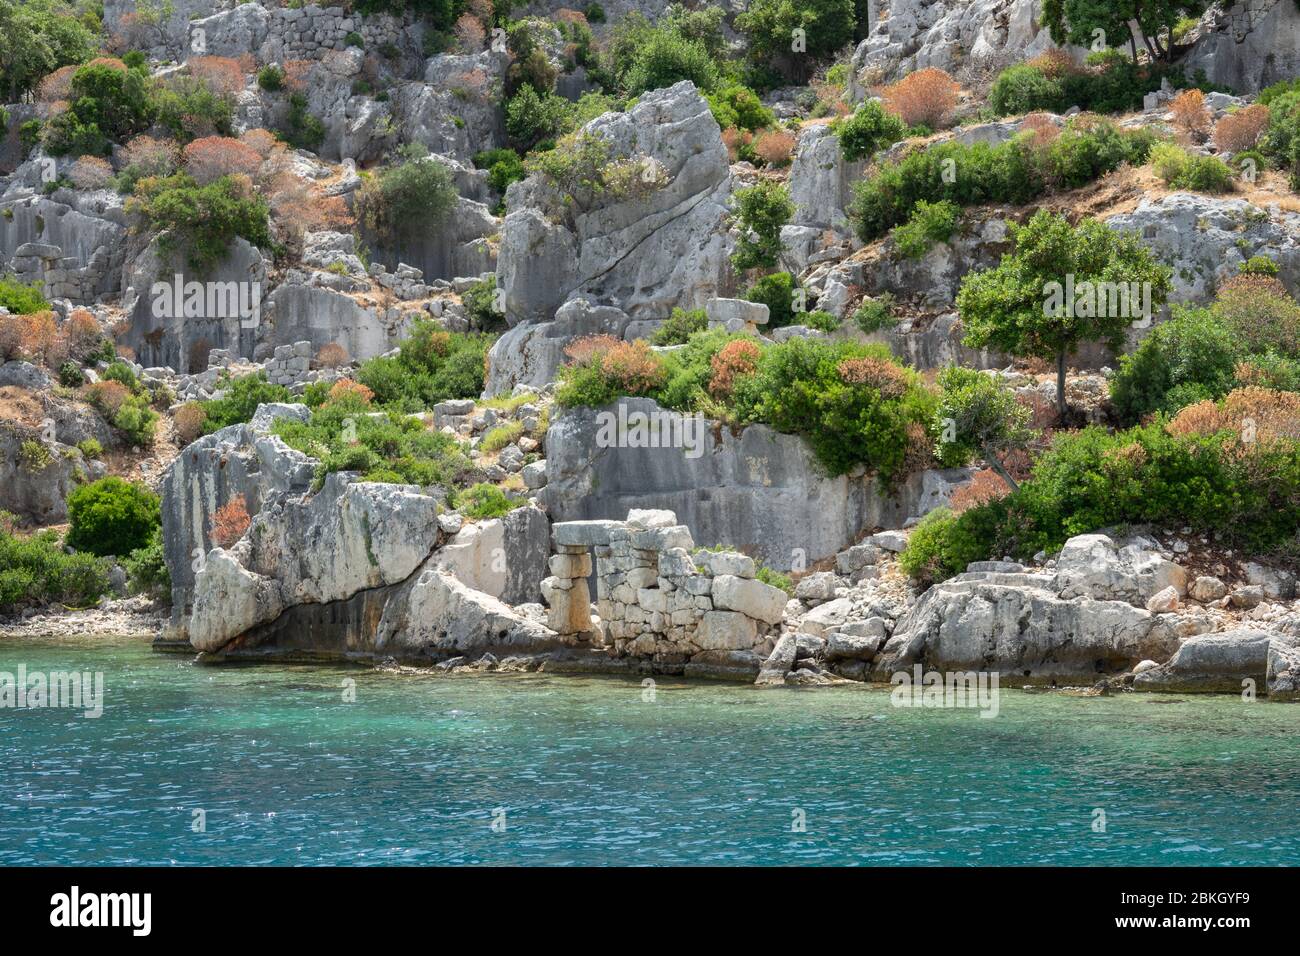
<point>657,600</point>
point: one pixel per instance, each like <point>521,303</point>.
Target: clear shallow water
<point>412,772</point>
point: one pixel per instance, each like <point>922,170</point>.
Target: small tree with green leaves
<point>979,415</point>
<point>1019,306</point>
<point>762,210</point>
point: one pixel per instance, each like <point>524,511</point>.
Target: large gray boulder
<point>455,87</point>
<point>1096,566</point>
<point>1217,663</point>
<point>240,460</point>
<point>1248,45</point>
<point>758,490</point>
<point>1205,239</point>
<point>1016,625</point>
<point>504,558</point>
<point>35,487</point>
<point>665,245</point>
<point>821,180</point>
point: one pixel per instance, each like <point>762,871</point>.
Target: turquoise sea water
<point>587,772</point>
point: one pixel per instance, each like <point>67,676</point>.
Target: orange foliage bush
<point>1053,63</point>
<point>1042,128</point>
<point>91,172</point>
<point>1241,128</point>
<point>736,358</point>
<point>1189,113</point>
<point>154,157</point>
<point>259,141</point>
<point>210,158</point>
<point>331,355</point>
<point>1257,416</point>
<point>230,521</point>
<point>985,487</point>
<point>633,368</point>
<point>734,139</point>
<point>923,98</point>
<point>56,86</point>
<point>296,74</point>
<point>1260,311</point>
<point>82,334</point>
<point>880,374</point>
<point>189,420</point>
<point>345,387</point>
<point>221,73</point>
<point>774,147</point>
<point>588,348</point>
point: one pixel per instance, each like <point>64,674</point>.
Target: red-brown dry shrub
<point>632,368</point>
<point>36,337</point>
<point>154,157</point>
<point>1054,63</point>
<point>57,85</point>
<point>469,33</point>
<point>923,98</point>
<point>736,358</point>
<point>91,172</point>
<point>346,388</point>
<point>985,487</point>
<point>1257,416</point>
<point>222,74</point>
<point>297,74</point>
<point>1042,128</point>
<point>1241,128</point>
<point>107,396</point>
<point>210,158</point>
<point>83,334</point>
<point>189,420</point>
<point>774,147</point>
<point>230,521</point>
<point>1189,113</point>
<point>734,139</point>
<point>881,374</point>
<point>589,348</point>
<point>331,355</point>
<point>259,141</point>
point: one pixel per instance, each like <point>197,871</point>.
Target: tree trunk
<point>1061,407</point>
<point>996,465</point>
<point>1132,46</point>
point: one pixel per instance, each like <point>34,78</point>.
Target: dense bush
<point>38,37</point>
<point>533,117</point>
<point>929,223</point>
<point>146,568</point>
<point>923,98</point>
<point>344,435</point>
<point>1112,83</point>
<point>108,102</point>
<point>944,543</point>
<point>871,128</point>
<point>680,326</point>
<point>410,198</point>
<point>431,365</point>
<point>112,516</point>
<point>738,107</point>
<point>35,570</point>
<point>187,107</point>
<point>22,298</point>
<point>762,209</point>
<point>504,167</point>
<point>666,58</point>
<point>302,130</point>
<point>201,220</point>
<point>768,25</point>
<point>1186,359</point>
<point>239,400</point>
<point>1185,170</point>
<point>483,501</point>
<point>777,292</point>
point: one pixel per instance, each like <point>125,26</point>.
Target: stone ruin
<point>657,600</point>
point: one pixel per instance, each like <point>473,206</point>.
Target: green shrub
<point>736,106</point>
<point>768,24</point>
<point>303,130</point>
<point>762,210</point>
<point>532,117</point>
<point>483,501</point>
<point>1025,89</point>
<point>239,400</point>
<point>355,39</point>
<point>871,128</point>
<point>680,326</point>
<point>667,58</point>
<point>107,104</point>
<point>820,320</point>
<point>777,292</point>
<point>595,13</point>
<point>1184,170</point>
<point>136,420</point>
<point>34,455</point>
<point>875,315</point>
<point>480,301</point>
<point>1259,265</point>
<point>503,165</point>
<point>90,447</point>
<point>35,570</point>
<point>392,448</point>
<point>146,568</point>
<point>409,199</point>
<point>39,37</point>
<point>270,78</point>
<point>494,439</point>
<point>201,220</point>
<point>20,298</point>
<point>112,516</point>
<point>432,365</point>
<point>929,223</point>
<point>774,579</point>
<point>1012,172</point>
<point>943,543</point>
<point>187,107</point>
<point>119,371</point>
<point>70,375</point>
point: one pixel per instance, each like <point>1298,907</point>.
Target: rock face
<point>664,246</point>
<point>1017,625</point>
<point>760,491</point>
<point>1205,239</point>
<point>949,34</point>
<point>1215,663</point>
<point>531,353</point>
<point>821,180</point>
<point>73,243</point>
<point>36,489</point>
<point>504,558</point>
<point>1248,46</point>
